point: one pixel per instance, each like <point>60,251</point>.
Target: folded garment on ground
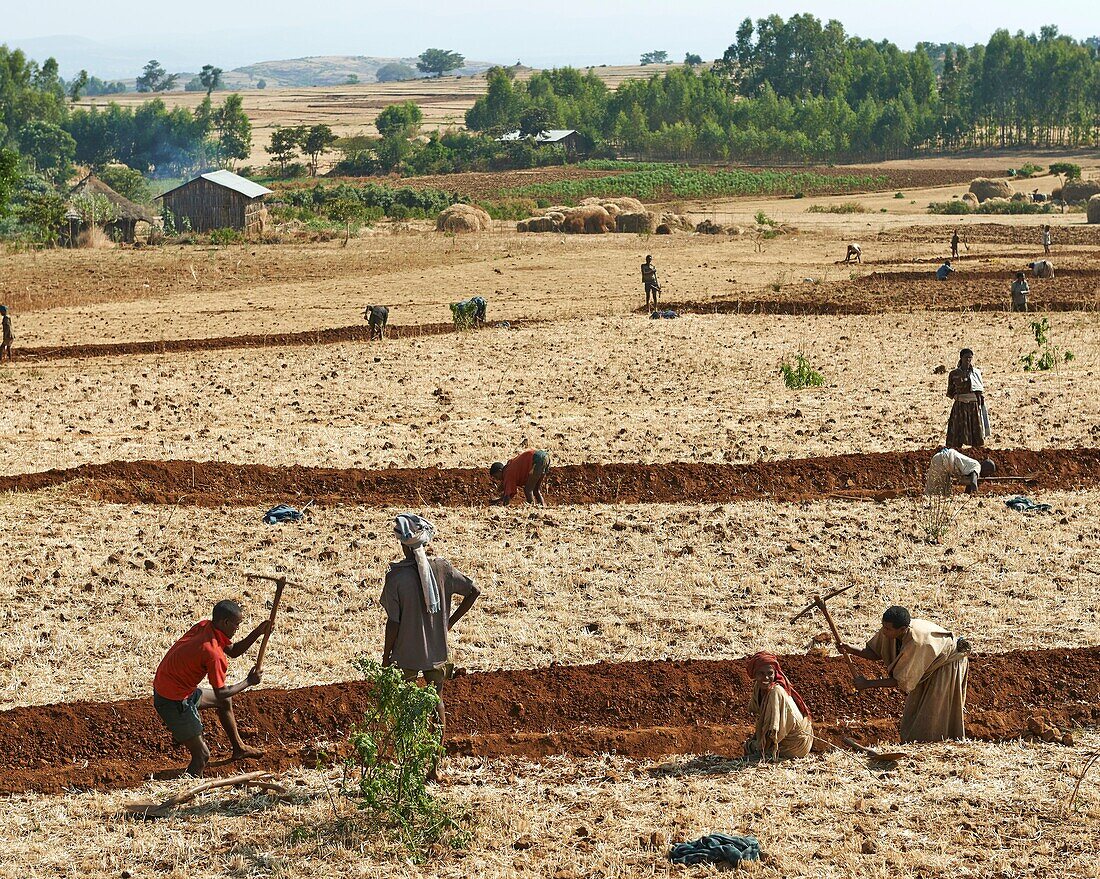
<point>1023,504</point>
<point>282,513</point>
<point>668,314</point>
<point>717,848</point>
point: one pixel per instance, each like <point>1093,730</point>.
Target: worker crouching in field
<point>948,466</point>
<point>417,600</point>
<point>377,317</point>
<point>201,653</point>
<point>528,469</point>
<point>929,665</point>
<point>783,726</point>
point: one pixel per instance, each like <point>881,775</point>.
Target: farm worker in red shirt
<point>201,653</point>
<point>528,469</point>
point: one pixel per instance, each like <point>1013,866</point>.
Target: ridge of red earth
<point>874,476</point>
<point>641,709</point>
<point>329,336</point>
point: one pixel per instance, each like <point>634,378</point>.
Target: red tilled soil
<point>642,709</point>
<point>877,476</point>
<point>907,291</point>
<point>996,233</point>
<point>331,336</point>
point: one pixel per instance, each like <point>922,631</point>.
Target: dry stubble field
<point>88,617</point>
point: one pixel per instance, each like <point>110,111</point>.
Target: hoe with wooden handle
<point>819,604</point>
<point>280,584</point>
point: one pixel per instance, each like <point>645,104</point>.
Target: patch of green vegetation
<point>672,181</point>
<point>848,207</point>
<point>800,374</point>
<point>1046,355</point>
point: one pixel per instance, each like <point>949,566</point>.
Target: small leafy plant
<point>800,374</point>
<point>1046,354</point>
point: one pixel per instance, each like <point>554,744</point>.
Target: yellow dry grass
<point>950,811</point>
<point>704,388</point>
<point>92,596</point>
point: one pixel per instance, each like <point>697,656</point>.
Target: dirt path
<point>672,707</point>
<point>879,476</point>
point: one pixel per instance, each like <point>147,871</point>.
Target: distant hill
<point>323,70</point>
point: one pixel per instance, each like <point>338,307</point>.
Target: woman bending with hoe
<point>968,423</point>
<point>783,726</point>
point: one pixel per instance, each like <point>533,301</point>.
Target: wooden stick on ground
<point>159,810</point>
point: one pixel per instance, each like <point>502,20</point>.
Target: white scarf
<point>416,533</point>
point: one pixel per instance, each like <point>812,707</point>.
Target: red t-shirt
<point>198,654</point>
<point>517,472</point>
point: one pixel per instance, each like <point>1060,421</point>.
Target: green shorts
<point>432,676</point>
<point>540,465</point>
<point>181,718</point>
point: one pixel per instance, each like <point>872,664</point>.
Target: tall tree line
<point>802,90</point>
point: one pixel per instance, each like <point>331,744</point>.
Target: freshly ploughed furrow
<point>876,476</point>
<point>641,709</point>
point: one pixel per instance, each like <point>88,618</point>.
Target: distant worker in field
<point>8,336</point>
<point>470,312</point>
<point>854,254</point>
<point>1020,289</point>
<point>651,284</point>
<point>1048,240</point>
<point>377,317</point>
<point>968,423</point>
<point>783,727</point>
<point>527,469</point>
<point>945,271</point>
<point>927,663</point>
<point>955,240</point>
<point>948,466</point>
<point>1042,268</point>
<point>201,653</point>
<point>417,597</point>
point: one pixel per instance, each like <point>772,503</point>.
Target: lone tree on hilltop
<point>658,56</point>
<point>693,60</point>
<point>439,61</point>
<point>155,78</point>
<point>211,78</point>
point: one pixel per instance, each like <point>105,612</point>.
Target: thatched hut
<point>127,214</point>
<point>216,200</point>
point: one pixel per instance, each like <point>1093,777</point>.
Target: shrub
<point>1029,170</point>
<point>1046,355</point>
<point>899,195</point>
<point>953,207</point>
<point>1066,169</point>
<point>848,207</point>
<point>800,374</point>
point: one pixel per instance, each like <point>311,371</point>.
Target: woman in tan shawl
<point>968,423</point>
<point>929,665</point>
<point>783,726</point>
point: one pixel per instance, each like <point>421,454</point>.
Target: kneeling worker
<point>201,653</point>
<point>948,466</point>
<point>783,726</point>
<point>528,469</point>
<point>929,665</point>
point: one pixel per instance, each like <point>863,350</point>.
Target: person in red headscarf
<point>783,727</point>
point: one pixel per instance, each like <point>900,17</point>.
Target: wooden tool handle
<point>279,584</point>
<point>836,637</point>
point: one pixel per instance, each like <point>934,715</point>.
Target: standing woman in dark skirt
<point>968,424</point>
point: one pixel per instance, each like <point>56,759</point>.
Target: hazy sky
<point>558,31</point>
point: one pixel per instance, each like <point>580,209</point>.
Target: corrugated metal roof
<point>552,135</point>
<point>230,181</point>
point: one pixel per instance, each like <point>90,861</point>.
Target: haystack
<point>709,227</point>
<point>540,224</point>
<point>521,226</point>
<point>664,229</point>
<point>985,188</point>
<point>996,202</point>
<point>970,199</point>
<point>461,218</point>
<point>1074,191</point>
<point>676,221</point>
<point>641,222</point>
<point>1020,196</point>
<point>591,220</point>
<point>1093,209</point>
<point>624,203</point>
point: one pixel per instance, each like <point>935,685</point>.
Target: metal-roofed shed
<point>216,200</point>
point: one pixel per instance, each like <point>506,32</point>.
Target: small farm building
<point>216,200</point>
<point>563,137</point>
<point>125,213</point>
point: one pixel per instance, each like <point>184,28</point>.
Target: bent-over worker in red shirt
<point>201,653</point>
<point>528,469</point>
